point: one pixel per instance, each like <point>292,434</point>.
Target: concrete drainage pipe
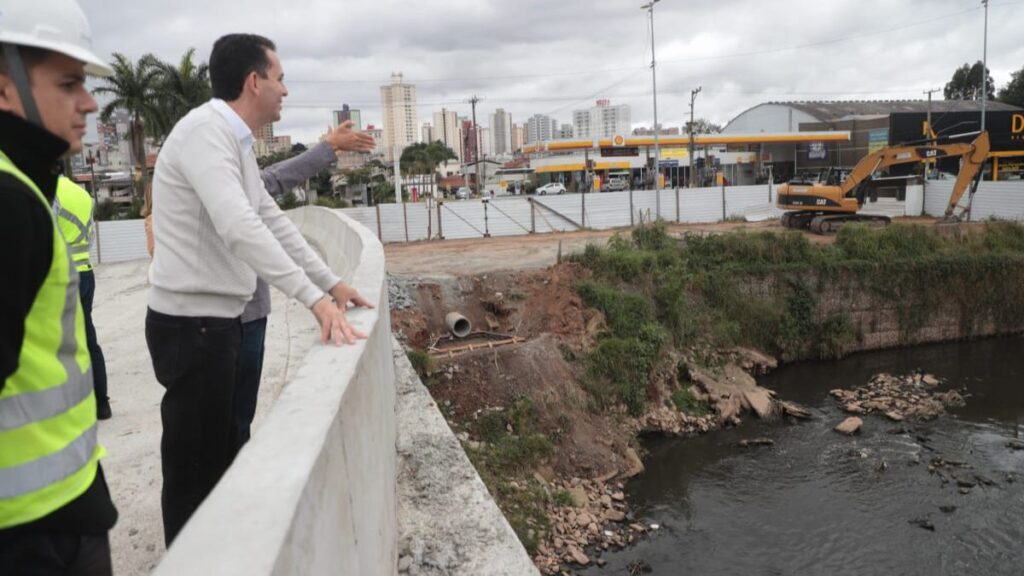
<point>458,324</point>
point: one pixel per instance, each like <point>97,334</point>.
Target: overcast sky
<point>554,56</point>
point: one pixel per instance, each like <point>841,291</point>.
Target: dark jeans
<point>86,290</point>
<point>247,386</point>
<point>195,360</point>
<point>47,553</point>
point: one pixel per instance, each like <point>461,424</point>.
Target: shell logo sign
<point>618,140</point>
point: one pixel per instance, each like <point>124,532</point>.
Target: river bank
<point>898,497</point>
<point>653,334</point>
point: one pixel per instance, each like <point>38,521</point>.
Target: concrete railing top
<point>290,503</point>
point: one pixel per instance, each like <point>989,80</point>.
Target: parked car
<point>616,185</point>
<point>463,193</point>
<point>551,188</point>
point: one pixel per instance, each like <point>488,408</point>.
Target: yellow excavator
<point>824,204</point>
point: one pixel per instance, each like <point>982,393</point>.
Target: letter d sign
<point>1018,124</point>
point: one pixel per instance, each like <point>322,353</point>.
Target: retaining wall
<point>883,320</point>
<point>314,491</point>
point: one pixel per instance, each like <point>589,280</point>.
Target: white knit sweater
<point>216,227</point>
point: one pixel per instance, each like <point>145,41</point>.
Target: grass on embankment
<point>698,294</point>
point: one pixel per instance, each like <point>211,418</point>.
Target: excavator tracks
<point>825,224</point>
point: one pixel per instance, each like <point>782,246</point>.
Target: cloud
<point>550,57</point>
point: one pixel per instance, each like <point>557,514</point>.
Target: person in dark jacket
<point>55,508</point>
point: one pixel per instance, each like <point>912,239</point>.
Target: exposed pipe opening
<point>458,324</point>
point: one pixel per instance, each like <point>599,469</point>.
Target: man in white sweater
<point>216,229</point>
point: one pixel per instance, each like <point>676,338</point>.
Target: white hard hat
<point>55,25</point>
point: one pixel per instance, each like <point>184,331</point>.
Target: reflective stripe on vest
<point>48,445</point>
<point>73,208</point>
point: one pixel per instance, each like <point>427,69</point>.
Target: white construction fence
<point>1002,200</point>
<point>122,240</point>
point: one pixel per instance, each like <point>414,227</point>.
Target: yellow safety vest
<point>49,452</point>
<point>73,208</point>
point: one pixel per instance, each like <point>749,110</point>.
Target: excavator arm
<point>824,207</point>
<point>973,154</point>
<point>970,174</point>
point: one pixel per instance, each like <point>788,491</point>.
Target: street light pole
<point>654,88</point>
<point>693,97</point>
<point>984,67</point>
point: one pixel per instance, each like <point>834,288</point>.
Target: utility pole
<point>984,67</point>
<point>693,97</point>
<point>444,136</point>
<point>396,151</point>
<point>654,89</point>
<point>476,143</point>
<point>928,122</point>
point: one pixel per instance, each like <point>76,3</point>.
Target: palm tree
<point>423,159</point>
<point>180,89</point>
<point>133,88</point>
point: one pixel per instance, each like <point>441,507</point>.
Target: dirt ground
<point>482,255</point>
<point>542,309</point>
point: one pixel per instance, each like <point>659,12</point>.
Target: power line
<point>605,90</point>
<point>590,72</point>
<point>595,71</point>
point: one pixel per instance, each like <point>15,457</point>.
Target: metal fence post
<point>440,231</point>
<point>631,206</point>
<point>583,209</point>
<point>487,230</point>
<point>405,219</point>
<point>723,199</point>
<point>678,215</point>
<point>99,247</point>
<point>379,234</point>
<point>533,216</point>
<point>924,193</point>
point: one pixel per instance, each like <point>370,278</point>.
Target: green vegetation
<point>331,202</point>
<point>686,402</point>
<point>666,297</point>
<point>561,498</point>
<point>107,210</point>
<point>512,444</point>
<point>424,364</point>
<point>288,200</point>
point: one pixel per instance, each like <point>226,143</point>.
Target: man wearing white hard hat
<point>55,508</point>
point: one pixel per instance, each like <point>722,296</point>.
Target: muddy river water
<point>816,502</point>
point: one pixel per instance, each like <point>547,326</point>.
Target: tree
<point>383,192</point>
<point>705,126</point>
<point>180,89</point>
<point>134,89</point>
<point>322,183</point>
<point>423,158</point>
<point>1013,92</point>
<point>274,158</point>
<point>372,175</point>
<point>967,81</point>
